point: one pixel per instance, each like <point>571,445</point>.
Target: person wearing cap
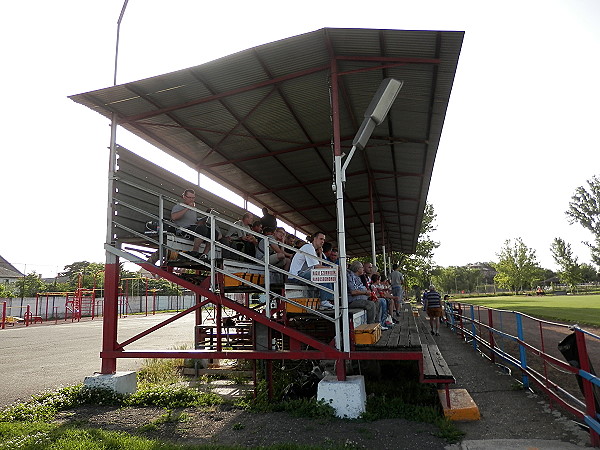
<point>432,303</point>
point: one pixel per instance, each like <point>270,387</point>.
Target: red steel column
<point>109,330</point>
<point>588,388</point>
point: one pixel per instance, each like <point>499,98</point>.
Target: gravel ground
<point>507,411</point>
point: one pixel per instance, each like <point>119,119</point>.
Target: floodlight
<point>383,99</point>
<point>377,110</point>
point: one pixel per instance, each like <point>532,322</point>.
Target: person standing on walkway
<point>397,280</point>
<point>432,303</point>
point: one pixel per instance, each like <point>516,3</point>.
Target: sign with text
<point>323,275</point>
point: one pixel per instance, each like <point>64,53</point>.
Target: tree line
<point>86,275</point>
<point>516,268</point>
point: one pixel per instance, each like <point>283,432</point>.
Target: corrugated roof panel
<point>275,136</point>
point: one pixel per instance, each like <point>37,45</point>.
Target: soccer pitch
<point>580,309</point>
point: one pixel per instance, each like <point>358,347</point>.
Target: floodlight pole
<point>375,114</point>
<point>341,239</point>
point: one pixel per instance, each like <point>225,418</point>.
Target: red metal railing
<point>521,341</point>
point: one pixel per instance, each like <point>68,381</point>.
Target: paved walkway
<point>47,357</point>
<point>511,418</point>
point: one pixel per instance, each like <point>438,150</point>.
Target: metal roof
<point>261,122</point>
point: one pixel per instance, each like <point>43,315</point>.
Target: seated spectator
<point>277,256</point>
<point>330,252</point>
<point>236,237</point>
<point>257,226</point>
<point>382,293</point>
<point>334,255</point>
<point>359,295</point>
<point>366,280</point>
<point>290,240</point>
<point>187,218</point>
<point>306,260</point>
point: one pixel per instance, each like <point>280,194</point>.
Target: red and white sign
<point>323,275</point>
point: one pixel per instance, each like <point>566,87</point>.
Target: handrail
<point>225,224</point>
<point>586,409</point>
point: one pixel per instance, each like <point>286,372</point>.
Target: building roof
<point>7,270</point>
<point>260,122</point>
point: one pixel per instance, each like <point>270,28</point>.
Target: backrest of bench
<point>139,183</point>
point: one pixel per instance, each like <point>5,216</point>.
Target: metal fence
<point>555,357</point>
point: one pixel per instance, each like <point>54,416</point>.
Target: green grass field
<point>580,309</point>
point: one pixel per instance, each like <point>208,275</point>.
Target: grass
<point>580,309</point>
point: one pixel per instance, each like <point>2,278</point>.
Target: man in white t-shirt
<point>306,259</point>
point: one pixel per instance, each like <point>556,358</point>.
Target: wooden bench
<point>403,335</point>
<point>412,334</point>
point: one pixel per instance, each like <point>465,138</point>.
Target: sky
<point>521,131</point>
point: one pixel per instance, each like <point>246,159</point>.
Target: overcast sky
<point>521,132</point>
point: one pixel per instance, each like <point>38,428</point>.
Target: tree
<point>584,208</point>
<point>588,273</point>
<point>455,279</point>
<point>517,267</point>
<point>418,267</point>
<point>570,271</point>
<point>90,274</point>
<point>6,291</point>
<point>30,285</point>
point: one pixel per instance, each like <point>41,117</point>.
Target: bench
<point>412,334</point>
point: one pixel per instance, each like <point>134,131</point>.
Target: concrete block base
<point>119,382</point>
<point>462,406</point>
<point>348,398</point>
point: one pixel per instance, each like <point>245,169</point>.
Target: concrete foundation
<point>348,398</point>
<point>119,382</point>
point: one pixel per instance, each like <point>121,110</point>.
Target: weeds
<point>172,397</point>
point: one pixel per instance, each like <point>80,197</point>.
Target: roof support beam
<point>390,59</point>
<point>223,94</point>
